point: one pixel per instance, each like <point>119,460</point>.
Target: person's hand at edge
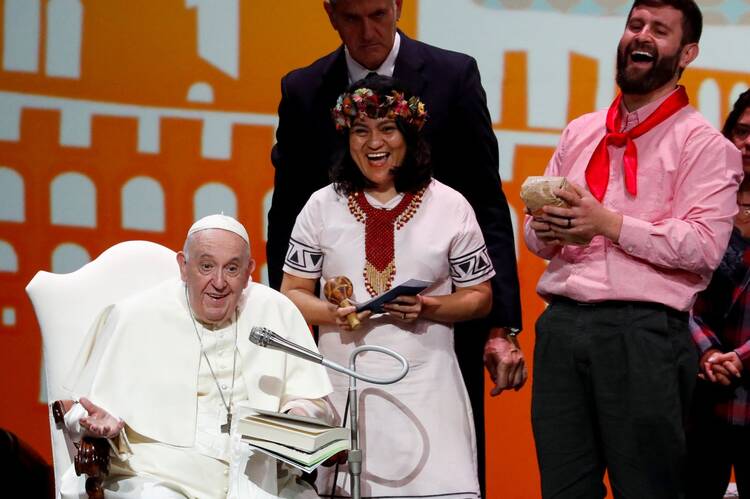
<point>504,360</point>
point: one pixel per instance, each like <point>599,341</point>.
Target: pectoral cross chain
<point>226,427</point>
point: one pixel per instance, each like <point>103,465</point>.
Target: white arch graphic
<point>218,33</point>
<point>709,101</point>
<point>73,200</point>
<point>8,257</point>
<point>12,196</point>
<point>64,33</point>
<point>21,28</point>
<point>69,257</point>
<point>213,198</point>
<point>143,205</point>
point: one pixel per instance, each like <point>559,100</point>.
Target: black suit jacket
<point>458,129</point>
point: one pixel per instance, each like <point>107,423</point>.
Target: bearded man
<point>165,372</point>
<point>649,221</point>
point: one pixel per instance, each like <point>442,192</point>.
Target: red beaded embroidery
<point>380,256</point>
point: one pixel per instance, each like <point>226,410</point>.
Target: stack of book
<point>302,442</point>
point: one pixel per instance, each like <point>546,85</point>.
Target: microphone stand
<point>355,453</point>
<point>266,338</point>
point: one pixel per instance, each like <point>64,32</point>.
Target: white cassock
<point>142,362</point>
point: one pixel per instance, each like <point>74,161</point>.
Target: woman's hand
<point>405,308</point>
<point>342,312</point>
<point>100,423</point>
<point>720,367</point>
<point>316,311</point>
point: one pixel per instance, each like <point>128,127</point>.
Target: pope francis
<point>163,373</point>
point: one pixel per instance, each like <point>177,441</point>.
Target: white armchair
<point>66,306</point>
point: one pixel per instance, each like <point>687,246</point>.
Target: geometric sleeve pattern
<point>471,266</point>
<point>304,258</point>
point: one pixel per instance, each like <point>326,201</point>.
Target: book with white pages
<point>299,432</point>
<point>305,461</point>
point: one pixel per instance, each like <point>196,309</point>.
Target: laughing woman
<point>381,222</point>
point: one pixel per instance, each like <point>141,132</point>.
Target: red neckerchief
<point>597,171</point>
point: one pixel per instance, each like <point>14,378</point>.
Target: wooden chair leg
<point>92,460</point>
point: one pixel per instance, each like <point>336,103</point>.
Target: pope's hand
<point>99,423</point>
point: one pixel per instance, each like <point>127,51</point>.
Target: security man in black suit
<point>464,156</point>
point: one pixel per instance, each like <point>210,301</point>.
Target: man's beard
<point>662,70</point>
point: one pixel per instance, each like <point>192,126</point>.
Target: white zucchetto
<point>223,222</point>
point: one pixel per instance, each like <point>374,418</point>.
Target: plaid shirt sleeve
<point>704,338</point>
<point>743,352</point>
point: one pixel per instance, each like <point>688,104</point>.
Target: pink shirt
<point>674,232</point>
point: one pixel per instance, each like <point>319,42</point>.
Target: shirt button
<point>221,352</point>
<point>226,490</point>
<point>223,387</point>
<point>226,472</point>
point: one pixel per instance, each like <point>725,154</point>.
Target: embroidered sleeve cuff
<point>303,260</point>
<point>471,268</point>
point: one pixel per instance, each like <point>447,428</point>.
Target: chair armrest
<point>92,458</point>
<point>59,408</point>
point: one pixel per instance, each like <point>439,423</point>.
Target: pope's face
<point>366,27</point>
<point>215,270</point>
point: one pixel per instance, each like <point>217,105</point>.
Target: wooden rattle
<point>338,290</point>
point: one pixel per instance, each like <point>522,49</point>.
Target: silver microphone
<point>264,337</point>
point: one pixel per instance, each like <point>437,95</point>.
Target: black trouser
<point>714,446</point>
<point>469,339</point>
<point>612,384</point>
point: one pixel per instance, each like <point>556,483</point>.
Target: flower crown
<point>364,102</point>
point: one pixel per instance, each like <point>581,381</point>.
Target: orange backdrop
<point>139,59</point>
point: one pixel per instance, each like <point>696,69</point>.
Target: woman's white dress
<point>417,435</point>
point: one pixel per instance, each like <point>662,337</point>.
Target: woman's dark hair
<point>414,173</point>
<point>742,103</point>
